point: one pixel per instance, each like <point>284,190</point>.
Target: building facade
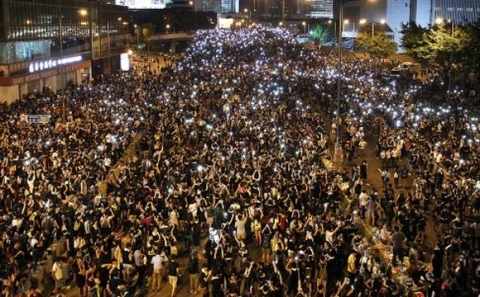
<point>51,43</point>
<point>318,9</point>
<point>398,12</point>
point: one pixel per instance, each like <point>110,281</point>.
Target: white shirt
<point>157,262</point>
<point>33,242</point>
<point>329,236</point>
<point>363,197</point>
<point>57,270</point>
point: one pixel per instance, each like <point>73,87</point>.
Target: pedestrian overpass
<point>172,38</point>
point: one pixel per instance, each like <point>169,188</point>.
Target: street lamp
<point>440,21</point>
<point>168,27</point>
<point>249,14</point>
<point>137,31</point>
<point>334,31</point>
<point>192,4</point>
<point>304,24</point>
<point>338,147</point>
<point>83,13</point>
<point>364,21</point>
<point>280,24</point>
<point>60,40</point>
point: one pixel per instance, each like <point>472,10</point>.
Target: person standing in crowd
<point>352,265</point>
<point>157,276</point>
<point>173,274</point>
<point>193,271</point>
<point>398,241</point>
<point>57,274</point>
<point>203,287</point>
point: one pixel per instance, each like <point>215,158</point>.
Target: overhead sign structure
<point>143,4</point>
<point>51,64</point>
<point>37,118</point>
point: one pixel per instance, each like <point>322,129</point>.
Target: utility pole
<point>60,37</point>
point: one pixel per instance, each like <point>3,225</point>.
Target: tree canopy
<point>322,33</point>
<point>445,46</point>
<point>376,43</point>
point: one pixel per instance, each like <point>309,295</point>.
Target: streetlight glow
<point>83,12</point>
<point>363,21</point>
<point>438,21</point>
<point>383,21</point>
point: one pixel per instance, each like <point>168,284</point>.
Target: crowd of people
<point>231,141</point>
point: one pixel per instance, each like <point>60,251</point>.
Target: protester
<point>233,139</point>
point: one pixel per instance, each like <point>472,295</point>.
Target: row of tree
<point>451,49</point>
<point>448,48</point>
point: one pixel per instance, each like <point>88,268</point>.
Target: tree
<point>471,51</point>
<point>377,45</point>
<point>440,47</point>
<point>412,37</point>
<point>321,34</point>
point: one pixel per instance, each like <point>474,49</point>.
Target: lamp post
<point>84,13</point>
<point>108,48</point>
<point>440,21</point>
<point>137,33</point>
<point>338,147</point>
<point>364,21</point>
<point>249,12</point>
<point>168,27</point>
<point>191,3</point>
<point>304,24</point>
<point>334,31</point>
<point>60,39</point>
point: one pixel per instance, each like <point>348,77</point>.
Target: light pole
<point>108,48</point>
<point>334,31</point>
<point>304,24</point>
<point>338,147</point>
<point>363,22</point>
<point>440,21</point>
<point>137,33</point>
<point>249,12</point>
<point>195,11</point>
<point>60,37</point>
<point>84,13</point>
<point>168,27</point>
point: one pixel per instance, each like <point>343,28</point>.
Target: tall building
<point>51,43</point>
<point>398,13</point>
<point>458,11</point>
<point>211,5</point>
<point>230,6</point>
<point>318,9</point>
